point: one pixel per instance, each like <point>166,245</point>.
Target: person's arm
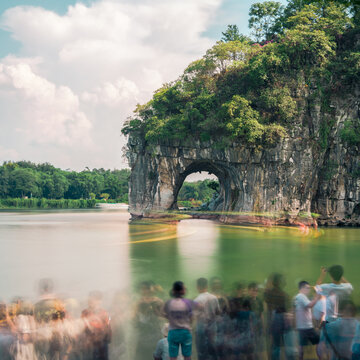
<point>322,276</point>
<point>344,281</point>
<point>312,303</point>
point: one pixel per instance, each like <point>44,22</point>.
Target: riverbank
<point>35,203</point>
<point>239,218</point>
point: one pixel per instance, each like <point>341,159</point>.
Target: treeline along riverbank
<point>25,185</point>
<point>42,203</point>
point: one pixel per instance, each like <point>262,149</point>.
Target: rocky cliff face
<point>293,179</point>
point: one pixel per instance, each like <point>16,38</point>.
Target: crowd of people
<point>253,322</point>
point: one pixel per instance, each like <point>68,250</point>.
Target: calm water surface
<point>98,249</point>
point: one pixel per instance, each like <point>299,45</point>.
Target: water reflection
<point>133,267</point>
<point>199,241</point>
<point>153,248</point>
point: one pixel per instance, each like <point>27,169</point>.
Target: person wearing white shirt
<point>206,314</point>
<point>319,312</point>
<point>303,317</point>
<point>337,290</point>
<point>340,334</point>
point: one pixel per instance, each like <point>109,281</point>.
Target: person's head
<point>145,288</point>
<point>278,281</point>
<point>25,308</point>
<point>336,272</point>
<point>178,289</point>
<point>95,300</point>
<point>216,285</point>
<point>239,289</point>
<point>304,287</point>
<point>202,284</point>
<point>347,309</point>
<point>253,289</point>
<point>46,286</point>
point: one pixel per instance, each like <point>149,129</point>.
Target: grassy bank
<point>35,203</point>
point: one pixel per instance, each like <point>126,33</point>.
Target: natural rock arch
<point>220,171</point>
<point>251,180</point>
<point>287,179</point>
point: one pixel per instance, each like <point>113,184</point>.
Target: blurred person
<point>179,312</point>
<point>279,319</point>
<point>47,305</point>
<point>97,334</point>
<point>319,312</point>
<point>355,345</point>
<point>339,334</point>
<point>47,311</point>
<point>236,302</point>
<point>303,317</point>
<point>216,288</point>
<point>162,348</point>
<point>222,319</point>
<point>237,299</point>
<point>206,321</point>
<point>72,329</point>
<point>120,317</point>
<point>147,321</point>
<point>157,290</point>
<point>6,334</point>
<point>339,289</point>
<point>257,307</point>
<point>24,327</point>
<point>242,336</point>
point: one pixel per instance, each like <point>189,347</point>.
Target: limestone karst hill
<point>277,123</point>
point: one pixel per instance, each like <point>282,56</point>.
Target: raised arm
<point>322,276</point>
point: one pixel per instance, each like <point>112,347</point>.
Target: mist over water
<point>101,266</point>
<point>100,250</point>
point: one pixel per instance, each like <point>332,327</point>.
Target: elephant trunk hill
<point>277,123</point>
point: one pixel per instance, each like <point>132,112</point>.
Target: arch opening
<point>207,192</point>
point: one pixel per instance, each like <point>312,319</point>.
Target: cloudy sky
<point>72,71</point>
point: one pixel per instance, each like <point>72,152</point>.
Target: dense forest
<point>251,89</point>
<point>193,194</point>
<point>23,179</point>
<point>25,184</point>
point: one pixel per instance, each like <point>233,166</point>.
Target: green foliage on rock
<point>350,133</point>
<point>255,93</point>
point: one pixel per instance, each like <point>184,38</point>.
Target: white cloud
<point>53,110</point>
<point>9,154</point>
<point>78,76</point>
<point>112,94</point>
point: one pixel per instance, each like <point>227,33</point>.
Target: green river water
<point>99,249</point>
